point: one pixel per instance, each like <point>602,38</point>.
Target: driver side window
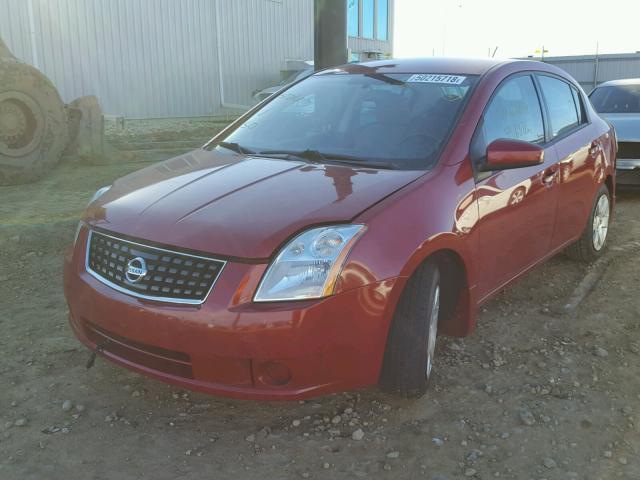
<point>514,113</point>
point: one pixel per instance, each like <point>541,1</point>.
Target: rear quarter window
<point>561,105</point>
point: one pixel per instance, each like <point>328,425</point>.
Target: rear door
<point>576,147</point>
<point>517,207</point>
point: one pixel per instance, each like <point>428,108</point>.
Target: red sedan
<point>323,240</point>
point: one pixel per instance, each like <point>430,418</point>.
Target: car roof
<point>623,81</point>
<point>465,66</point>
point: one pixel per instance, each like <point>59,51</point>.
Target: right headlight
<point>99,193</point>
<point>308,266</point>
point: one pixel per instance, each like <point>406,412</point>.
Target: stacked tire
<point>33,122</point>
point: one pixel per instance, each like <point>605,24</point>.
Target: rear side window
<point>514,113</point>
<point>561,105</point>
<point>577,98</point>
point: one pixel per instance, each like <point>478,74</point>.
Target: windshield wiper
<point>236,147</point>
<point>312,155</point>
<point>315,156</point>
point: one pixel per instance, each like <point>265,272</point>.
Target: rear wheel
<point>594,238</point>
<point>411,345</point>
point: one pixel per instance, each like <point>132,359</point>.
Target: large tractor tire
<point>33,123</point>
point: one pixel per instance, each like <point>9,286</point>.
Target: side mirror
<point>503,154</point>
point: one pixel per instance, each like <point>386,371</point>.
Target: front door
<point>517,207</point>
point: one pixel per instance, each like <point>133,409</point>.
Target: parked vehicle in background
<point>322,241</point>
<point>265,93</point>
<point>618,101</point>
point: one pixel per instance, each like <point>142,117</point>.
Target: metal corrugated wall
<point>257,37</point>
<point>609,67</point>
<point>159,58</point>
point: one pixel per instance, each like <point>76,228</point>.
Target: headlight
<point>99,193</point>
<point>308,266</point>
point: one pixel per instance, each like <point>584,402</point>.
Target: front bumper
<point>231,346</point>
<point>628,164</point>
<point>628,171</point>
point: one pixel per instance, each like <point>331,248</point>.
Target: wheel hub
<point>13,122</point>
<point>21,124</point>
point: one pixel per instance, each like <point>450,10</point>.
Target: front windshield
<point>401,120</point>
<point>616,99</point>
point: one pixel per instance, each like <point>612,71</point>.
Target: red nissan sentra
<point>321,242</point>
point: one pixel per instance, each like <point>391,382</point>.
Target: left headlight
<point>308,266</point>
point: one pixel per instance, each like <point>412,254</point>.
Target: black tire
<point>584,249</point>
<point>404,369</point>
<point>33,123</point>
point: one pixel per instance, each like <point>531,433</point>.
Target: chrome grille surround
<point>172,277</point>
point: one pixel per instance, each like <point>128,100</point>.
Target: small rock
<point>622,460</point>
<point>394,454</point>
<point>473,455</point>
<point>337,419</point>
<point>549,463</point>
<point>627,410</point>
<point>387,467</point>
<point>470,472</point>
<point>67,406</point>
<point>357,435</point>
<point>296,423</point>
<point>607,454</point>
<point>250,438</point>
<point>326,466</point>
<point>526,417</point>
<point>437,441</point>
<point>21,422</point>
<point>600,352</point>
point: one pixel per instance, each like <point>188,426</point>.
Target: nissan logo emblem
<point>136,269</point>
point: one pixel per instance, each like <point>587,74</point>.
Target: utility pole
<point>595,68</point>
<point>330,33</point>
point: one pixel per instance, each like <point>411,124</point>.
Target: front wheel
<point>409,357</point>
<point>594,238</point>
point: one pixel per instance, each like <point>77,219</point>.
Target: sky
<point>473,28</point>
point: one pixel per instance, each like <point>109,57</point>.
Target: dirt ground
<point>535,393</point>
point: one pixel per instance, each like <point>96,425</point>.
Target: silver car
<point>618,101</point>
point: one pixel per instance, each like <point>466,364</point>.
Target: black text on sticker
<point>437,78</point>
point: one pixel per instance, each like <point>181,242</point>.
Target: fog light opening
<point>274,374</point>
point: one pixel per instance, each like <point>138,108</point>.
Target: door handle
<point>549,175</point>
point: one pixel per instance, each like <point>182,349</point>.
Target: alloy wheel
<point>600,222</point>
<point>433,330</point>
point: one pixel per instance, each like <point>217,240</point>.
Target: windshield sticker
<point>436,78</point>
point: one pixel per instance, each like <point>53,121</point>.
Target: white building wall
<point>165,58</point>
<point>159,58</point>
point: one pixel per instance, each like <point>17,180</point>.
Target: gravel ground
<point>537,392</point>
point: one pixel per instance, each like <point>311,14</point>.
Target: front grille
<point>629,150</point>
<point>151,272</point>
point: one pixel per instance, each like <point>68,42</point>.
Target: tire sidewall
<point>16,76</point>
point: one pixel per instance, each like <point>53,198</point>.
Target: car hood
<point>237,206</point>
<point>627,125</point>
